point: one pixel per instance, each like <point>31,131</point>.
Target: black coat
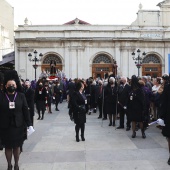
<point>110,99</point>
<point>29,94</point>
<point>79,111</point>
<point>57,93</point>
<point>136,104</point>
<point>123,94</point>
<point>20,114</point>
<point>71,88</point>
<point>165,110</point>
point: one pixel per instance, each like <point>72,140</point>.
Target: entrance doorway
<point>46,62</point>
<point>152,66</point>
<point>102,64</point>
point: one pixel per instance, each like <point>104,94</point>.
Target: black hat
<point>12,75</point>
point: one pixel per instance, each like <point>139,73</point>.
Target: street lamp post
<point>35,60</point>
<point>138,59</point>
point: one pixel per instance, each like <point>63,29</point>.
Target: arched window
<point>53,57</point>
<point>151,58</point>
<point>102,59</point>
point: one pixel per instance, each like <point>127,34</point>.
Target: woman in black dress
<point>13,116</point>
<point>136,106</point>
<point>40,99</point>
<point>165,114</point>
<point>110,99</point>
<point>79,110</point>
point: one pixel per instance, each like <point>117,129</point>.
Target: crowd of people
<point>142,100</point>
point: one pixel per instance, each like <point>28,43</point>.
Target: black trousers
<point>78,127</point>
<point>122,117</point>
<point>99,103</point>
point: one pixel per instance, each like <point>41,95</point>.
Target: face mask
<point>111,83</point>
<point>11,89</point>
<point>162,81</point>
<point>121,82</point>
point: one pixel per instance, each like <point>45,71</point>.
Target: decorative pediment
<point>164,3</point>
<point>76,21</point>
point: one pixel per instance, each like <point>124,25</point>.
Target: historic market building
<point>82,49</point>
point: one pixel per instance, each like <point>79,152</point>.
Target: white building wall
<point>7,28</point>
<point>78,44</point>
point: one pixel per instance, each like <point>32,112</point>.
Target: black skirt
<point>166,131</point>
<point>12,137</point>
<point>40,105</point>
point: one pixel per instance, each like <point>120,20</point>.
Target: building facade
<point>83,50</point>
<point>6,28</point>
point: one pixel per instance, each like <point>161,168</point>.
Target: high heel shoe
<point>9,167</point>
<point>82,138</point>
<point>77,138</point>
<point>143,134</point>
<point>134,135</point>
<point>16,167</point>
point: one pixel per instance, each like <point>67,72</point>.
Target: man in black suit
<point>123,93</point>
<point>29,94</point>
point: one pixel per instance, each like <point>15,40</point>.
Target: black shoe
<point>104,118</point>
<point>168,161</point>
<point>38,118</point>
<point>57,109</point>
<point>99,117</point>
<point>120,127</point>
<point>113,123</point>
<point>89,113</point>
<point>143,134</point>
<point>82,138</point>
<point>16,167</point>
<point>42,118</point>
<point>77,138</point>
<point>9,167</point>
<point>134,135</point>
<point>128,128</point>
<point>110,124</point>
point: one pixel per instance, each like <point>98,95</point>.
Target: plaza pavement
<point>53,146</point>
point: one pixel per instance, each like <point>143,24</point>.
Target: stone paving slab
<point>53,146</point>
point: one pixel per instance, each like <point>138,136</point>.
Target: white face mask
<point>162,81</point>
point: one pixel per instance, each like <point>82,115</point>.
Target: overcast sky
<point>100,12</point>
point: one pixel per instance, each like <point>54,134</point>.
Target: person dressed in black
<point>48,95</point>
<point>110,99</point>
<point>40,99</point>
<point>29,94</point>
<point>1,91</point>
<point>79,111</point>
<point>13,115</point>
<point>136,105</point>
<point>57,94</point>
<point>123,93</point>
<point>165,114</point>
<point>71,89</point>
<point>99,96</point>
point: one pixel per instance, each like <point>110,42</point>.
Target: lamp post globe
<point>35,59</point>
<point>138,59</point>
